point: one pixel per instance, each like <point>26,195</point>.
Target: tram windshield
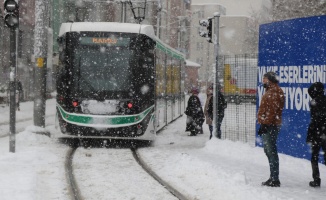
<point>105,65</point>
<point>103,71</point>
<point>102,65</point>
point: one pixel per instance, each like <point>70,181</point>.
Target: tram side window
<point>169,77</point>
<point>176,77</point>
<point>182,76</point>
<point>160,76</point>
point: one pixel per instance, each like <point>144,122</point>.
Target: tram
<point>116,81</point>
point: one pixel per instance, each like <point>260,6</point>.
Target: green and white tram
<point>116,81</point>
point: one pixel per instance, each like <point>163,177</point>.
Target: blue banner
<point>296,50</point>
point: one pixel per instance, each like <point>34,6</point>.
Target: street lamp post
<point>138,8</point>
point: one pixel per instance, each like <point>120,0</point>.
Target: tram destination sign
<point>110,41</point>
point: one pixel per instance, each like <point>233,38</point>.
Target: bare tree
<point>284,9</point>
<point>256,18</point>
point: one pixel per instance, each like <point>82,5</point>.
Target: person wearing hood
<point>195,114</point>
<point>269,117</point>
<point>316,136</point>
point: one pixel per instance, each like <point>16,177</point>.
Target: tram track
<point>73,187</point>
<point>77,193</point>
<point>165,184</point>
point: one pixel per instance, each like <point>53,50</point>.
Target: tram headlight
<point>122,104</point>
<point>139,129</point>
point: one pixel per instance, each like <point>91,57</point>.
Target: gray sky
<point>236,7</point>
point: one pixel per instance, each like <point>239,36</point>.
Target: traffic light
<point>12,13</point>
<point>208,25</point>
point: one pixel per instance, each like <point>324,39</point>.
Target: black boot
<point>271,183</point>
<point>315,183</point>
<point>192,133</point>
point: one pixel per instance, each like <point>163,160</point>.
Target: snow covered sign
<point>296,50</point>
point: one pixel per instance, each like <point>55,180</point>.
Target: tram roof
<point>117,27</point>
<point>107,26</point>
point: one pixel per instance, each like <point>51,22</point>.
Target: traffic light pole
<point>208,35</point>
<point>12,89</point>
<point>11,20</point>
<point>216,84</point>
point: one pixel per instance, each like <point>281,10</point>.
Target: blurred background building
<point>238,31</point>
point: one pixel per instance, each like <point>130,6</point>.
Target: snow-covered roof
<point>107,26</point>
<point>192,64</point>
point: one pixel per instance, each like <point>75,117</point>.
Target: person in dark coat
<point>195,114</point>
<point>316,136</point>
<point>220,112</point>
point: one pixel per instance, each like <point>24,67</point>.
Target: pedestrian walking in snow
<point>209,115</point>
<point>195,114</point>
<point>316,136</point>
<point>208,111</point>
<point>270,118</point>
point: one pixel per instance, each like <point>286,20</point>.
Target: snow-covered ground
<point>203,169</point>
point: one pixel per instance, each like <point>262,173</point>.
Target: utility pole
<point>40,53</point>
<point>216,84</point>
<point>12,21</point>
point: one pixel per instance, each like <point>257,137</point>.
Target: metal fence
<point>238,78</point>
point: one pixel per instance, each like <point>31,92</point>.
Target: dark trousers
<point>315,148</point>
<point>210,127</point>
<point>270,149</point>
<point>219,132</point>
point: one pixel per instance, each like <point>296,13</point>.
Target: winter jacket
<point>208,116</point>
<point>317,125</point>
<point>271,106</point>
<point>220,107</point>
